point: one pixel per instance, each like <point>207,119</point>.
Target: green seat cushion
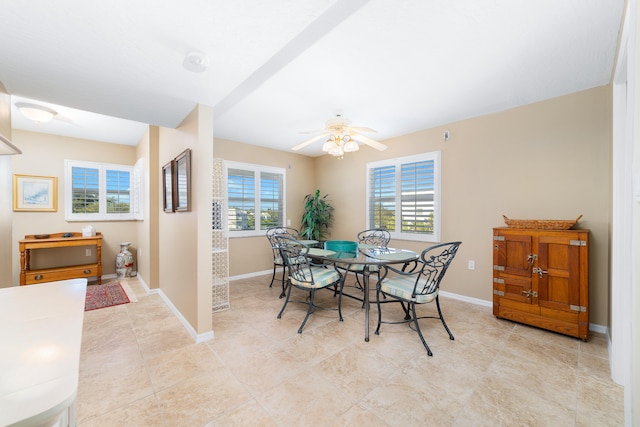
<point>402,287</point>
<point>322,277</point>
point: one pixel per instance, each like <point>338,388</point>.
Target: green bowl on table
<point>344,248</point>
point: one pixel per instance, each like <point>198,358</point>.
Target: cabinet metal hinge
<point>578,243</point>
<point>499,293</point>
<point>578,308</point>
<point>499,238</point>
<point>498,267</point>
<point>500,281</point>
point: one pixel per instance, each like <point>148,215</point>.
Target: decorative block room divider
<point>220,238</point>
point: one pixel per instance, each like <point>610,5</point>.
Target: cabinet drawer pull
<point>87,271</point>
<point>38,277</point>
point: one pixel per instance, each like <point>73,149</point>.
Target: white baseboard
<point>476,301</point>
<point>197,337</point>
<point>144,284</point>
<point>250,275</point>
<point>592,326</point>
<point>484,303</point>
<point>599,329</point>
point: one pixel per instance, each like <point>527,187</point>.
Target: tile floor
<point>139,367</point>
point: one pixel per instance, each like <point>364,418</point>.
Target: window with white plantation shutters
<point>118,191</point>
<point>417,197</point>
<point>85,190</point>
<point>242,199</point>
<point>100,191</point>
<point>404,197</point>
<point>255,196</point>
<point>271,200</point>
<point>382,198</point>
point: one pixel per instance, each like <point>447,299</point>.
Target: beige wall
<point>147,255</point>
<point>546,160</point>
<point>44,155</point>
<point>6,211</point>
<point>184,238</point>
<point>300,177</point>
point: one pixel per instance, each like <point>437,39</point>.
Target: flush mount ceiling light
<point>37,113</point>
<point>196,62</point>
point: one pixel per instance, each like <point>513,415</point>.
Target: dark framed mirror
<point>168,187</point>
<point>183,181</point>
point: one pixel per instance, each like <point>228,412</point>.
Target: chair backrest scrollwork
<point>435,261</point>
<point>283,232</point>
<point>375,236</point>
<point>294,257</point>
<point>286,231</point>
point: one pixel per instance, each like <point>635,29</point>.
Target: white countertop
<point>40,338</point>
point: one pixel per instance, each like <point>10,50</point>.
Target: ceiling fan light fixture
<point>35,112</point>
<point>337,151</point>
<point>340,140</point>
<point>350,146</point>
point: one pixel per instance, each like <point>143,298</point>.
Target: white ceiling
<point>281,67</point>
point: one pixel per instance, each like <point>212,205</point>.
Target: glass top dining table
<point>369,257</point>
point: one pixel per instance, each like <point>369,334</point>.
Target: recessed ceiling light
<point>196,62</point>
<point>37,113</point>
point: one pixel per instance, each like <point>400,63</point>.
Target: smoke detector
<point>196,62</point>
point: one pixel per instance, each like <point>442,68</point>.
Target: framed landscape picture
<point>35,193</point>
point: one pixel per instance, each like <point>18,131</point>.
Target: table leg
<point>365,284</point>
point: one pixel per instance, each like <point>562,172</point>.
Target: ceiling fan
<point>342,137</point>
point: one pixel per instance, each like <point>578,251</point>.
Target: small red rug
<point>105,295</point>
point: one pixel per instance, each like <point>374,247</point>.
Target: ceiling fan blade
<point>370,142</point>
<point>362,129</point>
<point>313,131</point>
<point>310,140</point>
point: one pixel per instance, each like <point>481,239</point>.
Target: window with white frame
<point>102,191</point>
<point>403,196</point>
<point>256,198</point>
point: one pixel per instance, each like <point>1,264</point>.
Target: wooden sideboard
<point>30,242</point>
<point>541,278</point>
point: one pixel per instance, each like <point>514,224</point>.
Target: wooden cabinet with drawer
<point>35,242</point>
<point>541,278</point>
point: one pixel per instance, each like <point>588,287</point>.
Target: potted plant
<point>317,216</point>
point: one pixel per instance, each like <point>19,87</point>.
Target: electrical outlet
<point>87,252</point>
<point>288,223</point>
<point>471,265</point>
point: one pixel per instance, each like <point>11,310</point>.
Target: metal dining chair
<point>277,260</point>
<point>378,237</point>
<point>419,286</point>
<point>303,274</point>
